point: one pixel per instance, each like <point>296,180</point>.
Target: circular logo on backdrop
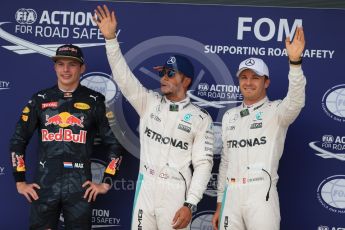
<point>331,193</point>
<point>102,83</point>
<point>333,103</point>
<point>26,16</point>
<point>202,220</point>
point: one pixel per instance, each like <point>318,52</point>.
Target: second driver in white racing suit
<point>176,138</point>
<point>253,142</point>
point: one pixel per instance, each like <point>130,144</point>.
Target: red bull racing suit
<point>67,123</point>
<point>253,142</point>
<point>173,137</point>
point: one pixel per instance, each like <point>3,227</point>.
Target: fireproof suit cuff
<point>19,176</point>
<point>108,178</point>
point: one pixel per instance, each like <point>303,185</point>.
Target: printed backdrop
<point>216,39</point>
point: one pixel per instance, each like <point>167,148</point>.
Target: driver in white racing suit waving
<point>175,135</point>
<point>253,141</point>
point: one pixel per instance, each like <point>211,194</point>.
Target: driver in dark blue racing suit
<point>67,117</point>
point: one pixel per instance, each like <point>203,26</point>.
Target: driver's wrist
<point>192,207</point>
<point>20,183</point>
<point>106,186</point>
<point>110,36</point>
<point>295,60</point>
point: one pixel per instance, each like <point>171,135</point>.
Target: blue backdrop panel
<point>216,39</point>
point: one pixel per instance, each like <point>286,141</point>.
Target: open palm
<point>105,21</point>
<point>296,47</point>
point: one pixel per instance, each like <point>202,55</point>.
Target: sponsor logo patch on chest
<point>184,128</point>
<point>155,117</point>
<point>256,125</point>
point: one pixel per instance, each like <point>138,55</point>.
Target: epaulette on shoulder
<point>204,111</point>
<point>201,109</point>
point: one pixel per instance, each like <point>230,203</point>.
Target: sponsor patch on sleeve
<point>113,166</point>
<point>18,162</point>
<point>25,118</point>
<point>26,110</point>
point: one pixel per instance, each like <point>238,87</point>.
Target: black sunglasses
<point>168,72</point>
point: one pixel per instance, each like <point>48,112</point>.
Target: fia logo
<point>203,87</point>
<point>26,16</point>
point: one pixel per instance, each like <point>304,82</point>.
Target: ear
<point>82,68</point>
<point>186,82</point>
<point>267,82</point>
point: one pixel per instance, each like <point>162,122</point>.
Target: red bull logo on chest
<point>64,119</point>
<point>64,135</point>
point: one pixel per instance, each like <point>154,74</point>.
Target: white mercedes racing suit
<point>173,137</point>
<point>253,142</point>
